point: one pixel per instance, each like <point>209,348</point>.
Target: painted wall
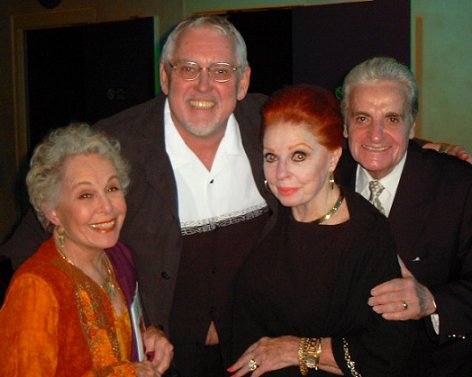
<point>447,69</point>
<point>446,65</point>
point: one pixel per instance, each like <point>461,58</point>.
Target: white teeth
<point>202,104</point>
<point>107,225</point>
<point>375,149</point>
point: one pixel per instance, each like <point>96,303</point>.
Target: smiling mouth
<point>285,191</point>
<point>200,104</point>
<point>375,149</point>
<point>104,226</point>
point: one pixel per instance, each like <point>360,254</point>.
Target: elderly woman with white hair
<point>67,309</point>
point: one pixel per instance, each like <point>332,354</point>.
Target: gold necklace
<point>108,284</point>
<point>65,257</point>
<point>332,211</point>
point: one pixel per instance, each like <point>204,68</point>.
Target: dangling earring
<point>60,236</point>
<point>266,185</point>
<point>331,181</point>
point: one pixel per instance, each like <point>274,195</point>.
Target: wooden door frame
<point>419,71</point>
<point>19,25</point>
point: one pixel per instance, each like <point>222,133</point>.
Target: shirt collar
<point>390,181</point>
<point>231,144</point>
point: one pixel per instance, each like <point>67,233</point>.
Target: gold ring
<point>443,147</point>
<point>405,305</point>
<point>252,365</point>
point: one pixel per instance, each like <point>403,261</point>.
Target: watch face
<point>49,4</point>
<point>311,361</point>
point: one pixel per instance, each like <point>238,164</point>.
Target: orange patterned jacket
<point>56,321</point>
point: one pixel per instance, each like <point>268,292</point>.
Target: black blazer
<point>431,221</point>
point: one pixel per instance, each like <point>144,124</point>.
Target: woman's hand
<point>158,349</point>
<point>269,354</point>
<point>146,369</point>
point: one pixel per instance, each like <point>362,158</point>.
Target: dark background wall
<point>93,71</point>
<point>87,72</point>
<point>320,44</point>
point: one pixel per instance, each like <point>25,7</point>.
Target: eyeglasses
<point>219,72</point>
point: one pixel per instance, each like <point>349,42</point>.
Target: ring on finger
<point>252,365</point>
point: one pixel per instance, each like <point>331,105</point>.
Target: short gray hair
<point>45,174</point>
<point>216,22</point>
<point>377,69</point>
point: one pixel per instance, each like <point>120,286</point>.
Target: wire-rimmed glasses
<point>219,72</point>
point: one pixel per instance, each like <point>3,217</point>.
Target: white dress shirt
<point>390,182</point>
<point>226,194</point>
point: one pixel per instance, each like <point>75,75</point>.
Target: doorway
<point>87,72</point>
<point>319,44</point>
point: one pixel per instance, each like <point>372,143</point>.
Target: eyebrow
<point>360,112</point>
<point>291,147</point>
<point>393,113</point>
<point>300,144</point>
<point>86,183</point>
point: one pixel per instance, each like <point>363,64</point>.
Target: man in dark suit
<point>427,198</point>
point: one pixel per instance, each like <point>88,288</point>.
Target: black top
<point>314,281</point>
<point>204,288</point>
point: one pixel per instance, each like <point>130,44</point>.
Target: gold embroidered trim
<point>350,363</point>
<point>123,369</point>
<point>97,322</point>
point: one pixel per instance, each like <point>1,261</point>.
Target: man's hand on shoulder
<point>455,150</point>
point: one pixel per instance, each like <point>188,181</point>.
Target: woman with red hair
<point>301,299</point>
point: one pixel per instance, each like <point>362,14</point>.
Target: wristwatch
<point>309,351</point>
<point>313,352</point>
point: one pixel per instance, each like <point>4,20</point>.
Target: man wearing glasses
<point>196,204</point>
<point>211,138</point>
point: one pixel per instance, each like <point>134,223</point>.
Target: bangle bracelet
<point>309,352</point>
<point>313,353</point>
<point>302,345</point>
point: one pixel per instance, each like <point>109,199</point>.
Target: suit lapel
<point>410,212</point>
<point>157,165</point>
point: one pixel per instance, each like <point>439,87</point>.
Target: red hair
<point>310,105</point>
